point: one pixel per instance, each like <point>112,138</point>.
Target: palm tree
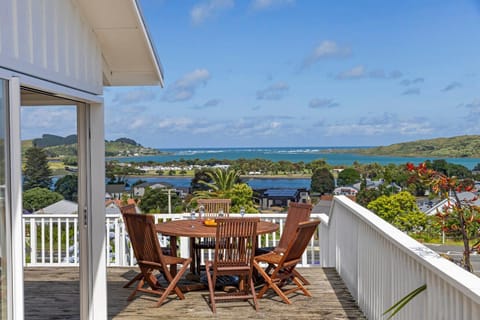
<point>222,182</point>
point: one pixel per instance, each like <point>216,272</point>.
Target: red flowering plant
<point>458,216</point>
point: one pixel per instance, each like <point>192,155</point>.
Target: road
<point>456,253</point>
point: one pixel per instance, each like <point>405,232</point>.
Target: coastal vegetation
<point>460,217</point>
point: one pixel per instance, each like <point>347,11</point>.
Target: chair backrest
<point>129,208</point>
<point>300,241</point>
<point>297,212</point>
<point>213,206</point>
<point>141,230</point>
<point>235,242</point>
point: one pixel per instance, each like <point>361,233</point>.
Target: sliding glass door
<point>3,244</point>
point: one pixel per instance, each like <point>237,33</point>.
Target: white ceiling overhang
<point>129,56</point>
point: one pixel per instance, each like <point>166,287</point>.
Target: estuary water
<point>297,154</point>
<point>254,183</point>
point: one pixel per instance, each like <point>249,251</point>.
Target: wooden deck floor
<point>53,293</point>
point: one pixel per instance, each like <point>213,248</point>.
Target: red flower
<point>410,166</point>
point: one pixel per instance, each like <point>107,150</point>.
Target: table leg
<point>192,255</point>
<point>173,247</point>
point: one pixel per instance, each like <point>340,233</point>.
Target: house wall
<point>50,40</point>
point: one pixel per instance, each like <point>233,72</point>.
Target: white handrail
<point>380,265</point>
<point>52,239</point>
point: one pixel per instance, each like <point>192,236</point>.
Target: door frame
<point>91,158</point>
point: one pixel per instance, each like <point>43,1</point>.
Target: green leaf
<point>402,302</point>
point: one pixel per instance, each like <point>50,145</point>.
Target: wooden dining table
<point>197,229</point>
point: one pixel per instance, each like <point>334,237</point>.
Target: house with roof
<point>346,191</point>
<point>63,53</point>
<point>60,207</point>
<point>445,204</point>
<point>114,191</point>
<point>139,189</point>
<point>281,197</point>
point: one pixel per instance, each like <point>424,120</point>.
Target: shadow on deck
<point>53,293</point>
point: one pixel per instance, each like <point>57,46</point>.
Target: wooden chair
<point>130,208</point>
<point>283,264</point>
<point>234,252</point>
<point>211,209</point>
<point>148,252</point>
<point>297,212</point>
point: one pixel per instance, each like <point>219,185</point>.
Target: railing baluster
<point>42,233</point>
<point>122,253</point>
<point>59,240</point>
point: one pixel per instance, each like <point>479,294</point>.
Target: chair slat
<point>235,243</point>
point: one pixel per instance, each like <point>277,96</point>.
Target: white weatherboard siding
<point>51,40</point>
<point>56,49</point>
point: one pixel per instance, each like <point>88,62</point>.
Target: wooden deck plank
<point>53,293</point>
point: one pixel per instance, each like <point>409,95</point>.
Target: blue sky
<point>304,73</point>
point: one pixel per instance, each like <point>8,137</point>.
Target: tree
<point>67,186</point>
<point>459,216</point>
<point>317,164</point>
<point>37,172</point>
<point>38,198</point>
<point>200,175</point>
<point>322,181</point>
<point>348,176</point>
<point>365,196</point>
<point>449,169</point>
<point>242,196</point>
<point>221,180</point>
<point>401,210</point>
<point>156,200</point>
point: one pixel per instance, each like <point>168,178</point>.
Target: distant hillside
<point>50,140</point>
<point>467,146</point>
<point>57,146</point>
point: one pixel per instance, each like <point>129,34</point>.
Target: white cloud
<point>409,82</point>
<point>35,121</point>
<point>134,96</point>
<point>175,124</point>
<point>268,4</point>
<point>411,91</point>
<point>354,73</point>
<point>451,86</point>
<point>473,114</point>
<point>209,104</point>
<point>274,92</point>
<point>474,105</point>
<point>326,49</point>
<point>208,9</point>
<point>184,88</point>
<point>386,124</point>
<point>361,71</point>
<point>137,123</point>
<point>322,103</point>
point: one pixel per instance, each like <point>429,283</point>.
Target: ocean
<point>297,154</point>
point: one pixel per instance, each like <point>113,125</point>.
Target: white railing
<point>53,239</point>
<point>380,265</point>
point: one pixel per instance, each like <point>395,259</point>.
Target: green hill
<point>61,147</point>
<point>467,146</point>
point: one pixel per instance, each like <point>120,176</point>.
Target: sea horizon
<point>292,154</point>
